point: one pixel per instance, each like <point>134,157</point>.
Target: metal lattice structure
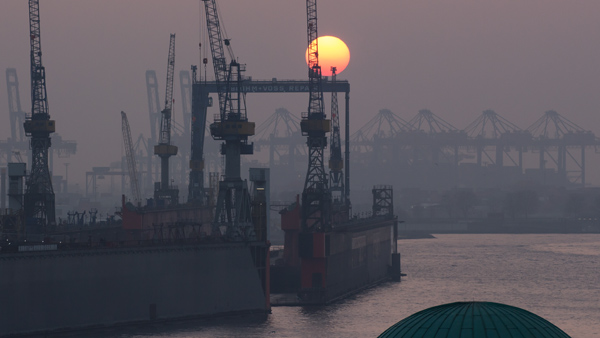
<point>155,116</point>
<point>555,132</point>
<point>553,126</point>
<point>428,122</point>
<point>492,130</point>
<point>231,126</point>
<point>490,125</point>
<point>165,192</point>
<point>281,135</point>
<point>384,125</point>
<point>336,161</point>
<point>316,197</point>
<point>383,200</point>
<point>39,201</point>
<point>131,163</point>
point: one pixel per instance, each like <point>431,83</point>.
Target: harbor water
<point>556,276</point>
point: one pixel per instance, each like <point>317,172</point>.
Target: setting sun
<point>333,52</point>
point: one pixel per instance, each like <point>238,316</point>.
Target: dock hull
<point>72,289</point>
<point>345,261</point>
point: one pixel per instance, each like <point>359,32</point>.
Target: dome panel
<point>473,320</point>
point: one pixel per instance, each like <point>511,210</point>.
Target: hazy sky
<point>457,58</point>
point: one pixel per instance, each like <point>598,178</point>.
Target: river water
<point>554,276</point>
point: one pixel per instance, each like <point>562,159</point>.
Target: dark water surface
<point>554,276</point>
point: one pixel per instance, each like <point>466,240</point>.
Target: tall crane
<point>154,111</point>
<point>165,149</point>
<point>316,197</point>
<point>131,164</point>
<point>232,126</point>
<point>336,162</point>
<point>39,204</point>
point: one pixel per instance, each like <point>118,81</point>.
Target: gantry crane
<point>39,205</point>
<point>316,196</point>
<point>232,126</point>
<point>165,192</point>
<point>131,164</point>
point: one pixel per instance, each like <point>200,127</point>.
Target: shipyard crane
<point>39,204</point>
<point>155,116</point>
<point>231,126</point>
<point>164,192</point>
<point>336,162</point>
<point>131,165</point>
<point>316,196</point>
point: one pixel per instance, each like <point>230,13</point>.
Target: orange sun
<point>333,52</point>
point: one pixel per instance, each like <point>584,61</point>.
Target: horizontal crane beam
<point>276,86</point>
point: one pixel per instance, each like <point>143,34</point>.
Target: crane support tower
<point>316,196</point>
<point>164,192</point>
<point>39,202</point>
<point>233,208</point>
<point>131,165</point>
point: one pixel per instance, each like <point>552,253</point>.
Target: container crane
<point>316,196</point>
<point>163,191</point>
<point>131,164</point>
<point>16,114</point>
<point>39,201</point>
<point>232,126</point>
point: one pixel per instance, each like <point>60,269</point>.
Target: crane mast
<point>163,191</point>
<point>316,197</point>
<point>39,203</point>
<point>233,208</point>
<point>336,162</point>
<point>131,165</point>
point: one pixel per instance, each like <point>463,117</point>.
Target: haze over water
<point>458,58</point>
<point>553,276</point>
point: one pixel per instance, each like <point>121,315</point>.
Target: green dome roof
<point>473,320</point>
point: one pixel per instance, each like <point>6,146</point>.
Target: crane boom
<point>165,123</point>
<point>39,200</point>
<point>218,52</point>
<point>131,164</point>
